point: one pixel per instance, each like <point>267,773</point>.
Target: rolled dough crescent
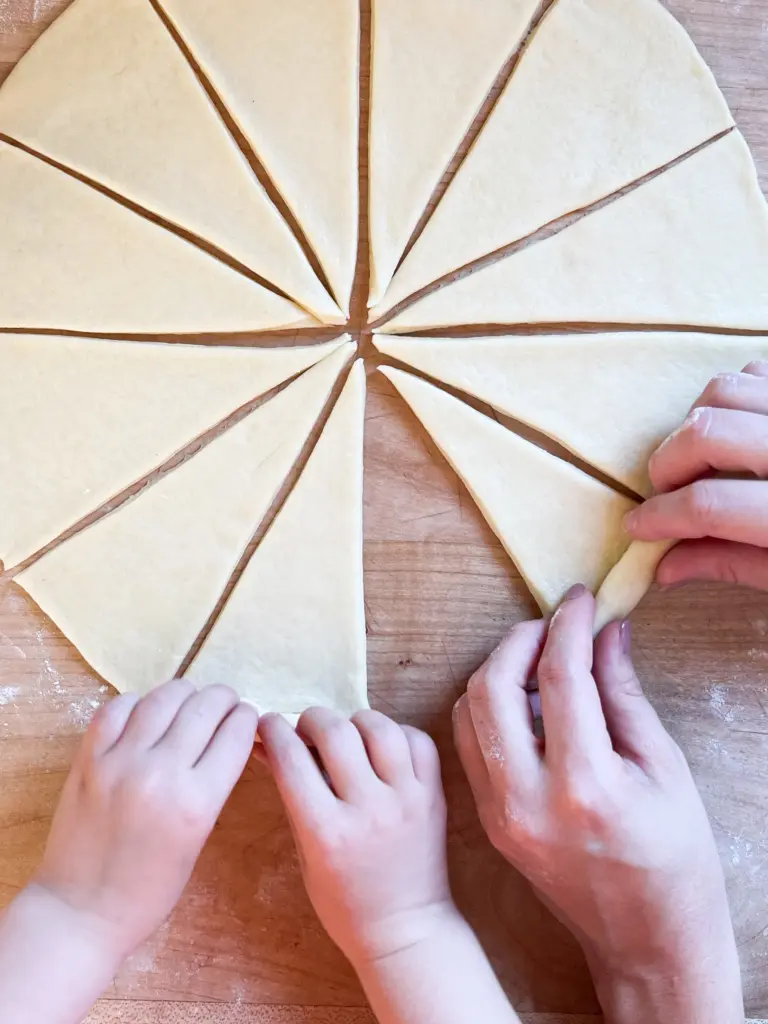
<point>629,581</point>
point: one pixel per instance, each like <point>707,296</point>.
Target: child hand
<point>722,522</point>
<point>603,817</point>
<point>144,793</point>
<point>370,831</point>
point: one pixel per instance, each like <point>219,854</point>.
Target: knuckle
<point>588,804</point>
<point>699,424</point>
<point>702,503</point>
<point>477,688</point>
<point>554,672</point>
<point>722,389</point>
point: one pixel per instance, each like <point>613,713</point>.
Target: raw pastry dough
<point>434,62</point>
<point>689,247</point>
<point>557,524</point>
<point>106,91</point>
<point>609,398</point>
<point>133,591</point>
<point>72,259</point>
<point>629,581</point>
<point>288,72</point>
<point>605,93</point>
<point>292,634</point>
<point>83,419</point>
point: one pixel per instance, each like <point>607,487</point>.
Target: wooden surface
<point>440,593</point>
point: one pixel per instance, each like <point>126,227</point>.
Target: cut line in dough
<point>133,591</point>
<point>107,92</point>
<point>605,92</point>
<point>688,248</point>
<point>611,399</point>
<point>82,419</point>
<point>292,634</point>
<point>433,64</point>
<point>293,91</point>
<point>73,259</point>
<point>558,525</point>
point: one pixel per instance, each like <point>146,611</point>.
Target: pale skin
<point>602,817</point>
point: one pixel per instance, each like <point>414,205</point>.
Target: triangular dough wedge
<point>133,591</point>
<point>434,62</point>
<point>689,247</point>
<point>288,72</point>
<point>609,398</point>
<point>72,259</point>
<point>292,634</point>
<point>107,92</point>
<point>605,93</point>
<point>558,525</point>
<point>83,419</point>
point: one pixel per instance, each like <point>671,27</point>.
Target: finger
<point>724,509</point>
<point>747,391</point>
<point>501,709</point>
<point>154,713</point>
<point>224,759</point>
<point>305,793</point>
<point>758,368</point>
<point>342,753</point>
<point>633,724</point>
<point>470,752</point>
<point>197,720</point>
<point>108,725</point>
<point>711,440</point>
<point>715,560</point>
<point>424,757</point>
<point>574,725</point>
<point>387,747</point>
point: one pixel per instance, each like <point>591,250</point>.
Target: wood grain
<point>440,594</point>
<point>211,1013</point>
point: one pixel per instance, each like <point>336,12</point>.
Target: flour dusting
<point>720,704</point>
<point>9,694</point>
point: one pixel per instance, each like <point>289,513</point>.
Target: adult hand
<point>603,817</point>
<point>722,523</point>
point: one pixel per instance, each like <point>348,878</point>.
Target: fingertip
<point>424,755</point>
<point>108,724</point>
<point>272,728</point>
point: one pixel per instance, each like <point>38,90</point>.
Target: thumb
<point>720,560</point>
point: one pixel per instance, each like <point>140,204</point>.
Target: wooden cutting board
<point>440,593</point>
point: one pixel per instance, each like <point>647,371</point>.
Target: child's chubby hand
<point>144,793</point>
<point>370,827</point>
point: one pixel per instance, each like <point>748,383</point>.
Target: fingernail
<point>630,520</point>
<point>576,591</point>
<point>625,635</point>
